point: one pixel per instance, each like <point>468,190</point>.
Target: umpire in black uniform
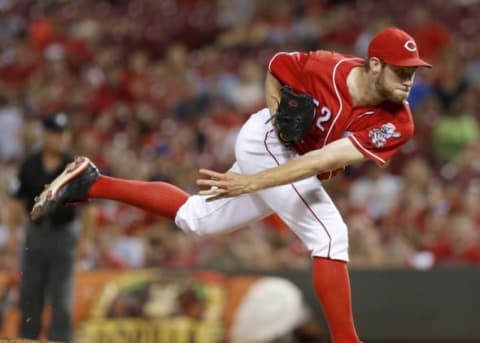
<point>48,257</point>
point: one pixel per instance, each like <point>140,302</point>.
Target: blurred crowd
<point>156,89</point>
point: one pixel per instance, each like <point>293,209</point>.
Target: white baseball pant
<point>304,205</point>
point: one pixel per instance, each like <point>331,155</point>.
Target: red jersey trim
<point>339,97</point>
<point>275,56</point>
<point>365,152</point>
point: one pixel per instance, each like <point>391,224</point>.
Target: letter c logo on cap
<point>410,45</point>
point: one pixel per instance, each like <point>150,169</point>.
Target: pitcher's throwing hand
<point>225,185</point>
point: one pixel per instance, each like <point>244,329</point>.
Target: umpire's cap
<point>55,122</point>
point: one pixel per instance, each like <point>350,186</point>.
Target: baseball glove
<point>294,116</point>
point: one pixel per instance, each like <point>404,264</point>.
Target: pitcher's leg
<point>310,213</point>
<point>199,217</point>
<point>304,205</point>
<point>160,198</point>
<point>332,286</point>
<point>81,180</point>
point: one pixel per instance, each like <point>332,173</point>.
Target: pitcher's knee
<point>188,217</point>
<point>201,227</point>
<point>187,226</point>
<point>201,218</point>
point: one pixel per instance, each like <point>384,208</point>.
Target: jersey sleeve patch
<point>379,137</point>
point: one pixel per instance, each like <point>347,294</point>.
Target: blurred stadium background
<point>156,88</point>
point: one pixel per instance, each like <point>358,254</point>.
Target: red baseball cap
<point>396,47</point>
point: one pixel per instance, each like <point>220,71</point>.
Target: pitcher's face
<point>394,83</point>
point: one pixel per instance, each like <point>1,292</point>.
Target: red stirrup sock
<point>160,198</point>
<point>332,286</point>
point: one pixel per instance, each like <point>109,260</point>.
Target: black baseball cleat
<point>71,186</point>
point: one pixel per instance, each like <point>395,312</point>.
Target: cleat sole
<point>47,197</point>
